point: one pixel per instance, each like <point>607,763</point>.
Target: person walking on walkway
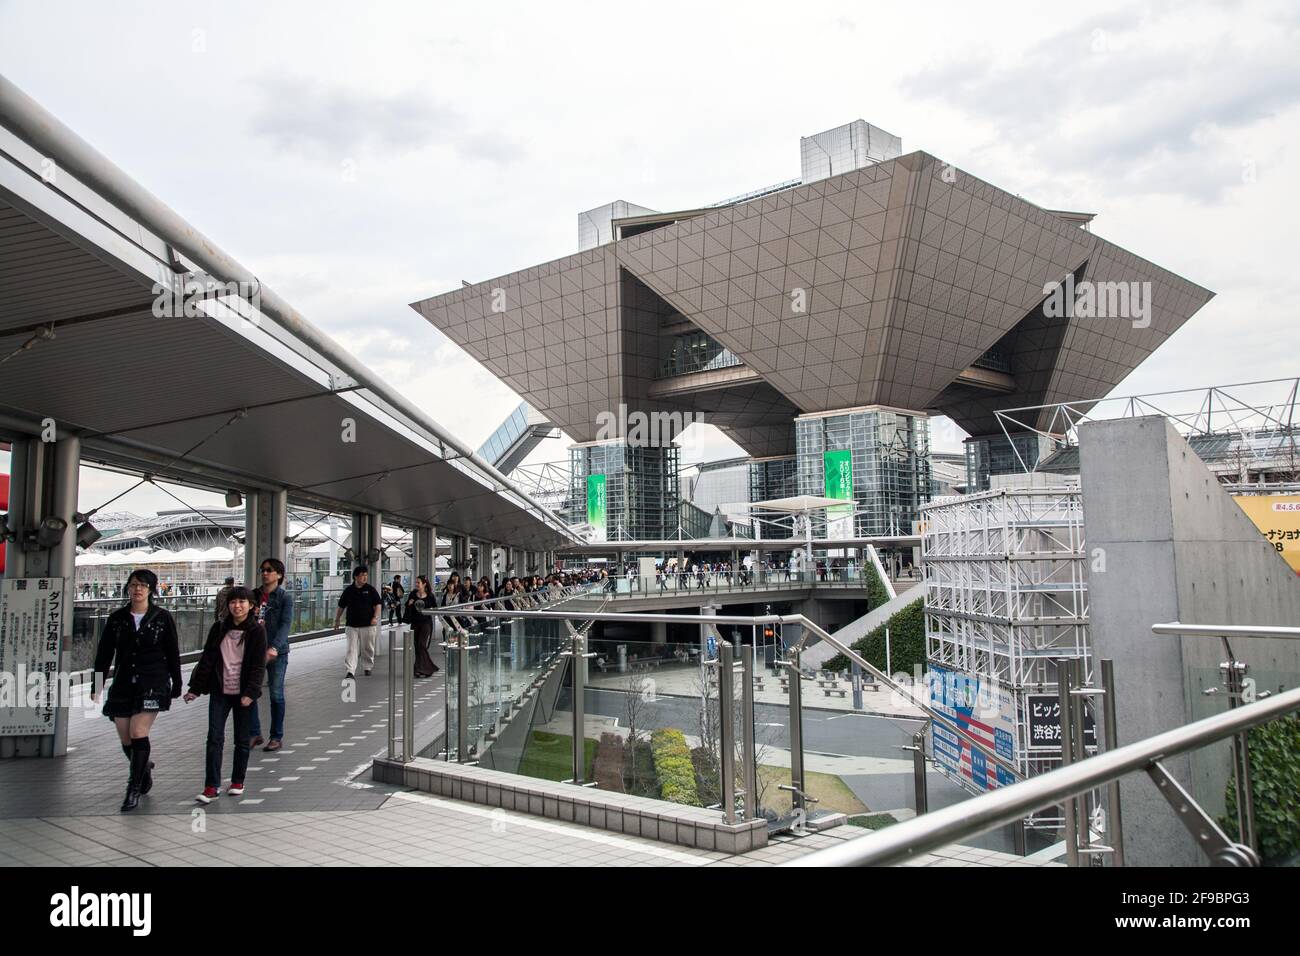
<point>362,603</point>
<point>273,605</point>
<point>450,595</point>
<point>222,596</point>
<point>421,597</point>
<point>398,607</point>
<point>139,641</point>
<point>230,671</point>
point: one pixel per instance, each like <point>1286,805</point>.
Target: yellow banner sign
<point>1278,519</point>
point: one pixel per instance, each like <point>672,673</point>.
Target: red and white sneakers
<point>235,789</point>
<point>208,795</point>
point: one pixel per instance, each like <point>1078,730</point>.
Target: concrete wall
<point>1174,547</point>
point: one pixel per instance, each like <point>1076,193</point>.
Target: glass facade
<point>995,359</point>
<point>990,455</point>
<point>890,465</point>
<point>595,225</point>
<point>844,148</point>
<point>693,351</point>
<point>640,488</point>
<point>721,486</point>
<point>507,434</point>
<point>772,478</point>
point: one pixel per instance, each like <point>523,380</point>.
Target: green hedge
<point>1275,780</point>
<point>906,642</point>
<point>673,767</point>
<point>876,593</point>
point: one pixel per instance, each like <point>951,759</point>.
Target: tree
<point>638,691</point>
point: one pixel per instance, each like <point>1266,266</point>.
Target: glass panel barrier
<point>451,639</point>
<point>313,610</point>
<point>649,731</point>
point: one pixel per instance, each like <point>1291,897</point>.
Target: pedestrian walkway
<point>682,679</point>
<point>312,803</point>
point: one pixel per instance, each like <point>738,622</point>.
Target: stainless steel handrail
<point>1239,690</point>
<point>571,591</point>
<point>680,582</point>
<point>1225,630</point>
<point>1008,804</point>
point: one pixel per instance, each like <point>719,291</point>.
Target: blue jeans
<point>275,691</point>
<point>220,706</point>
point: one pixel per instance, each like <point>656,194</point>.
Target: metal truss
<point>1257,419</point>
<point>547,482</point>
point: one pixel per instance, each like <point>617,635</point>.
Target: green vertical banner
<point>838,466</point>
<point>596,506</point>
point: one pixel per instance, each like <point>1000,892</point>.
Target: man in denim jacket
<point>274,607</point>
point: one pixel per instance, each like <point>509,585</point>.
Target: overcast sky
<point>359,157</point>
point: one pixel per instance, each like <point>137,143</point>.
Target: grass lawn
<point>550,756</point>
<point>877,822</point>
<point>831,792</point>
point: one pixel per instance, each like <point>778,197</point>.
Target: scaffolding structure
<point>1006,594</point>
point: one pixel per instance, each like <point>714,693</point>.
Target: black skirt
<point>140,704</point>
<point>137,698</point>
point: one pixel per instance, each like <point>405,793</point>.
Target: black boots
<point>139,772</point>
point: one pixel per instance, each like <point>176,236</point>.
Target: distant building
<point>818,323</point>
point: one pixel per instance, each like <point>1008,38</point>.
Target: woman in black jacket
<point>231,671</point>
<point>139,641</point>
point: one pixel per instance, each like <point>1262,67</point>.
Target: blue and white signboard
<point>982,708</point>
<point>712,644</point>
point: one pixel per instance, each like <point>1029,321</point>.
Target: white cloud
<point>476,133</point>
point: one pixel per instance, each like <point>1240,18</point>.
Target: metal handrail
<point>1008,804</point>
<point>566,592</point>
<point>680,582</point>
<point>1225,630</point>
<point>1240,690</point>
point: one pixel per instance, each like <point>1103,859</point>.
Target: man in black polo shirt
<point>362,603</point>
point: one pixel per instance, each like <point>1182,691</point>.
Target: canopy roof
<point>181,394</point>
<point>801,504</point>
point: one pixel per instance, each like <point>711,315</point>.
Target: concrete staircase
<point>821,652</point>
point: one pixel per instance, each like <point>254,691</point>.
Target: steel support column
<point>366,544</point>
<point>266,526</point>
<point>424,553</point>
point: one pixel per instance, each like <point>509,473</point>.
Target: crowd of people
<point>100,590</point>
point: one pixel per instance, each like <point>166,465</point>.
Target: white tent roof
<point>145,559</point>
<point>801,504</point>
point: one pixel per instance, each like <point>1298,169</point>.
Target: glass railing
<point>551,696</point>
<point>497,670</point>
<point>593,698</point>
<point>313,610</point>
